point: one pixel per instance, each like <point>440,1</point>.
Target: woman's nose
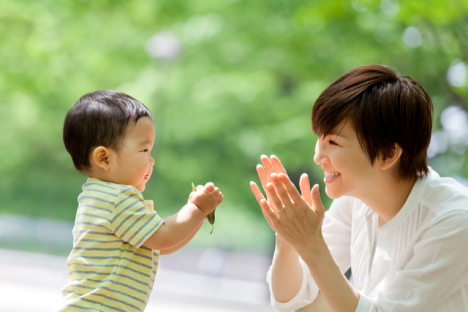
<point>319,157</point>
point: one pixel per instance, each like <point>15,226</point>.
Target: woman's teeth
<point>329,174</point>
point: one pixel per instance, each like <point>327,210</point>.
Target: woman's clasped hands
<point>296,219</point>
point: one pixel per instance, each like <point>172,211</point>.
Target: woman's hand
<point>299,223</point>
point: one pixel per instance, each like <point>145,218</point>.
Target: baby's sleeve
<point>132,220</point>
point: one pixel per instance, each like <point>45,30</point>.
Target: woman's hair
<point>99,119</point>
<point>385,109</point>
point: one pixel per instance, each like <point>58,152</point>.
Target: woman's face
<point>347,168</point>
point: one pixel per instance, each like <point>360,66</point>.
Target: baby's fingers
<point>190,197</point>
<point>209,186</point>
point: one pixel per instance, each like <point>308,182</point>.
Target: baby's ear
<point>100,158</point>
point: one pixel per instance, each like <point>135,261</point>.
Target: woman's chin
<point>333,194</point>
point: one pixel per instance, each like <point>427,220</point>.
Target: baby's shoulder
<point>107,194</point>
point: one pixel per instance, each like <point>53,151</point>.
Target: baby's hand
<point>206,198</point>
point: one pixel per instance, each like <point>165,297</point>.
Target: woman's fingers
<point>304,185</point>
<point>316,200</point>
<point>290,188</point>
<point>273,200</point>
<point>277,165</point>
<point>280,190</point>
<point>269,214</point>
<point>264,179</point>
<point>256,191</point>
<point>267,165</point>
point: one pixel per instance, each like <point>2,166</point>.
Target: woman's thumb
<point>316,200</point>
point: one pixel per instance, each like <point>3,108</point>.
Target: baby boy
<point>118,237</point>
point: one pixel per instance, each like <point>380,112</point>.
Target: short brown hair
<point>385,108</point>
<point>99,119</point>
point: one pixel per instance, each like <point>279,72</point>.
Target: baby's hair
<point>99,119</point>
<point>384,108</point>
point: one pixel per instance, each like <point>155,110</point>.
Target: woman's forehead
<point>344,129</point>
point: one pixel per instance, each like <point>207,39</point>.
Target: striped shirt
<point>108,268</point>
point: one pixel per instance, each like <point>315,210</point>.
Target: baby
<point>118,237</point>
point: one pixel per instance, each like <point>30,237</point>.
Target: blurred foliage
<point>243,85</point>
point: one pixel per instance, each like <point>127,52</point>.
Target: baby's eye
<point>146,150</point>
<point>332,142</point>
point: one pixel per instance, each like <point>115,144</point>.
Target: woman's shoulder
<point>350,207</point>
<point>348,202</point>
<point>443,195</point>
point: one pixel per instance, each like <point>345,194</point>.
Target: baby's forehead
<point>141,131</point>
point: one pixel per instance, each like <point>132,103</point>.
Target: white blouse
<point>418,261</point>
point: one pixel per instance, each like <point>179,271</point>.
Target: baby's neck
<point>103,176</point>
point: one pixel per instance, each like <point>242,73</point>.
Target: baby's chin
<point>141,187</point>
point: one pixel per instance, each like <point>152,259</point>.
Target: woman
<point>401,228</point>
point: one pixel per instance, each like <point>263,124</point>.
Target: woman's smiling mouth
<point>331,176</point>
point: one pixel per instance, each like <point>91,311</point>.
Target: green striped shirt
<point>108,268</point>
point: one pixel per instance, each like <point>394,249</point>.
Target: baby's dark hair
<point>99,119</point>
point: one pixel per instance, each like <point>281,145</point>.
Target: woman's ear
<point>100,158</point>
<point>391,159</point>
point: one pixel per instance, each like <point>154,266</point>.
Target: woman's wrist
<point>281,244</point>
<point>314,251</point>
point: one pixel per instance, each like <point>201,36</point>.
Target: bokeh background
<point>226,81</point>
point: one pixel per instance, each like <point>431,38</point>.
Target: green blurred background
<point>226,81</point>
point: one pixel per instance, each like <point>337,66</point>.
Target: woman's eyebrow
<point>333,133</point>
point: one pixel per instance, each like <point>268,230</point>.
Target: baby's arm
<point>179,227</point>
<point>185,242</point>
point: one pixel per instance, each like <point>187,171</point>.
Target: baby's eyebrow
<point>144,141</point>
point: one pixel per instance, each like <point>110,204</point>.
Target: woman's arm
<point>300,225</point>
<point>301,228</point>
<point>286,271</point>
<point>286,277</point>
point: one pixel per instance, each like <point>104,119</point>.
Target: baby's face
<point>134,163</point>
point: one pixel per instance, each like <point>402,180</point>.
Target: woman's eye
<point>332,142</point>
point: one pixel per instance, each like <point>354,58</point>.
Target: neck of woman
<point>388,196</point>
